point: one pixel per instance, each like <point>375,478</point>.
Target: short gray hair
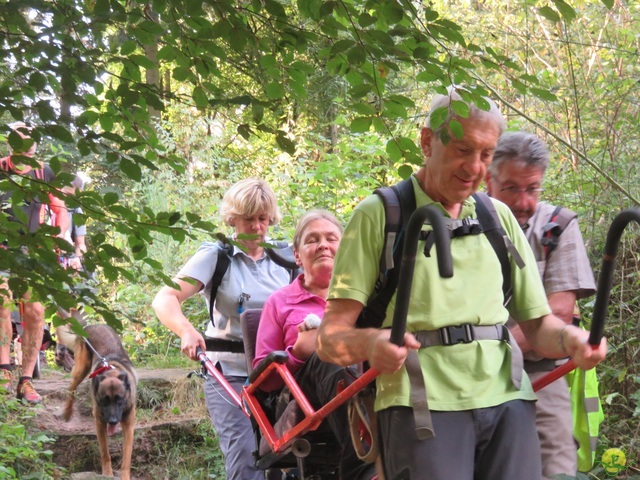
<point>249,197</point>
<point>440,101</point>
<point>309,217</point>
<point>523,147</point>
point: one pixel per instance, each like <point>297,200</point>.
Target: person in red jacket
<point>34,213</point>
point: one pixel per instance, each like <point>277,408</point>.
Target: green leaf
<point>437,118</point>
<point>460,108</point>
<point>565,10</point>
<point>341,46</point>
<point>361,124</point>
<point>275,91</point>
<point>200,97</point>
<point>357,55</point>
<point>285,143</point>
<point>393,150</point>
<point>380,126</point>
<point>275,8</point>
<point>128,47</point>
<point>268,61</point>
<point>456,128</point>
<point>130,169</point>
<point>59,132</point>
<point>37,80</point>
<point>544,94</point>
<point>110,198</point>
<point>363,108</point>
<point>549,13</point>
<point>405,171</point>
<point>310,8</point>
<point>608,3</point>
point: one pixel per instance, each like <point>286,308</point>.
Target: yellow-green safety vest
<point>587,414</point>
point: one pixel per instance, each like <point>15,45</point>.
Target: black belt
<point>446,336</point>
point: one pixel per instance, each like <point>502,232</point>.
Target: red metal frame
<point>250,405</point>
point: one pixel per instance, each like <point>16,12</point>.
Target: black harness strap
<point>551,231</point>
<point>399,203</point>
<point>222,265</point>
<point>496,235</point>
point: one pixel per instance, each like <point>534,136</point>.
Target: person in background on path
<point>250,207</point>
<point>515,177</point>
<point>76,233</point>
<point>15,168</point>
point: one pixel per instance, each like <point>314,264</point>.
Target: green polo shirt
<point>462,376</point>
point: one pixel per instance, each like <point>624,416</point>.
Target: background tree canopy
<point>164,104</point>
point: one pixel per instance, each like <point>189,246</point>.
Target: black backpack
<point>281,254</point>
<point>399,203</point>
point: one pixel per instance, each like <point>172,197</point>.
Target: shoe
<point>27,393</point>
<point>6,381</point>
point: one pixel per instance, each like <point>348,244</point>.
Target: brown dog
<point>113,390</point>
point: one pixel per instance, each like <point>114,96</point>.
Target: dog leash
<point>105,364</point>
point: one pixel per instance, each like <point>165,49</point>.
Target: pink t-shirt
<point>283,311</point>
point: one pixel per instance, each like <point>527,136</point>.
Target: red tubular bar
<point>252,408</point>
<point>313,418</point>
<point>214,372</point>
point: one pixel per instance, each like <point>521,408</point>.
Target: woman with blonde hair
<point>250,207</point>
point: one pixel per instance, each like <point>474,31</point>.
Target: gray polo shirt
<point>257,279</point>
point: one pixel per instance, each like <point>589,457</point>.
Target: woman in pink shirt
<point>289,322</point>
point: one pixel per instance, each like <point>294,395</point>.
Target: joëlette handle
<point>616,229</point>
<point>605,281</point>
<point>409,250</point>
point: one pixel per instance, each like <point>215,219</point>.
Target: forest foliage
<point>164,104</point>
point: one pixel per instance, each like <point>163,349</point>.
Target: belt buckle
<point>455,334</point>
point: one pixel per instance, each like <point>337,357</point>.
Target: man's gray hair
<point>523,147</point>
<point>440,101</point>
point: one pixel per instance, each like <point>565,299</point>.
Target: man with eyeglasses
<point>515,177</point>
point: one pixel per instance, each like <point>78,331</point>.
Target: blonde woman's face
<point>257,225</point>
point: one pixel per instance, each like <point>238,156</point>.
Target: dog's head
<point>112,391</point>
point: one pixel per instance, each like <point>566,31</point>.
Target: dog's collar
<point>103,368</point>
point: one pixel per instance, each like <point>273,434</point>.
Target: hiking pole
<point>409,249</point>
<point>602,296</point>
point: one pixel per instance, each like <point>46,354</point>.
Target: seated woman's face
<point>318,245</point>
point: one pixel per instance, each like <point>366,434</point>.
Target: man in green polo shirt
<point>482,413</point>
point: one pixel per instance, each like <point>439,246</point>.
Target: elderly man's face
<point>456,169</point>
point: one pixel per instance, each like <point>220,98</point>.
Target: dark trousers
<point>319,380</point>
<point>496,443</point>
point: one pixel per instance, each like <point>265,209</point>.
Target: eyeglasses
<point>528,191</point>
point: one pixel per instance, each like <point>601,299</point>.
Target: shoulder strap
<point>282,255</point>
<point>399,203</point>
<point>551,231</point>
<point>499,240</point>
<point>222,265</point>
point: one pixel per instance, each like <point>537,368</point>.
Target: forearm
<point>166,305</point>
<point>551,337</point>
<point>338,341</point>
<point>341,343</point>
<point>81,247</point>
